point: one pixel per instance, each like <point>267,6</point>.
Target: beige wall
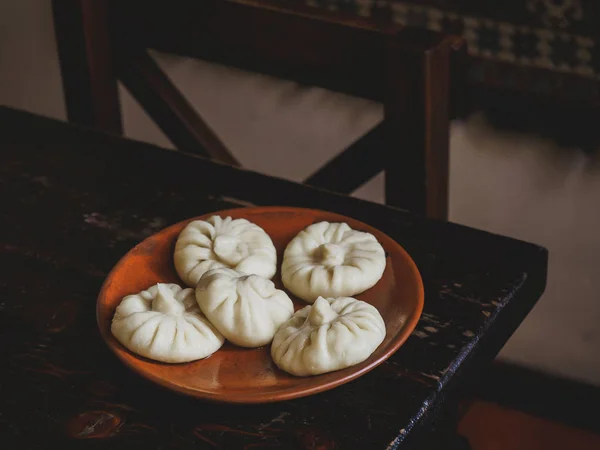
<point>510,184</point>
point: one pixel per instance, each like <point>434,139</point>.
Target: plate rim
<point>258,398</point>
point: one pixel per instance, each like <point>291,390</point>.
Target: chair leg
<point>460,95</point>
<point>416,108</point>
<point>89,82</point>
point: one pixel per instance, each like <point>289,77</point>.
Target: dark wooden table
<point>74,201</point>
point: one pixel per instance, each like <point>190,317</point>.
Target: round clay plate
<point>239,375</point>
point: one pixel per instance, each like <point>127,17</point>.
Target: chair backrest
<point>408,70</point>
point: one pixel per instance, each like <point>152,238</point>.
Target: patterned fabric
<point>549,36</point>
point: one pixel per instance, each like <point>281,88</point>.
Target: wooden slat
<point>311,50</point>
<point>354,166</point>
<point>86,61</point>
<point>169,109</point>
<point>322,14</point>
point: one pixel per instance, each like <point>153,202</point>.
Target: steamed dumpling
<point>246,309</point>
<point>329,335</point>
<point>209,244</point>
<point>164,323</point>
<point>331,260</point>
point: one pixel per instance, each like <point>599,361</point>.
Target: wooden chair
<point>102,41</point>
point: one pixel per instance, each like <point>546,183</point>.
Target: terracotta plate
<point>237,375</point>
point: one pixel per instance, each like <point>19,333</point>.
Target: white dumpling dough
<point>331,334</point>
<point>209,244</point>
<point>164,323</point>
<point>246,309</point>
<point>331,260</point>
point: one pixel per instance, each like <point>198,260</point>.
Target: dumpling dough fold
<point>164,323</point>
<point>209,244</point>
<point>329,335</point>
<point>331,260</point>
<point>246,309</point>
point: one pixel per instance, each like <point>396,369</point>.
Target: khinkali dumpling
<point>246,309</point>
<point>331,260</point>
<point>329,335</point>
<point>164,323</point>
<point>209,244</point>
